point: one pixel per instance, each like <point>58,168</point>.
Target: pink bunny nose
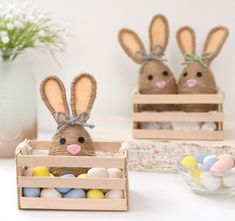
<point>73,149</point>
<point>161,84</point>
<point>191,82</point>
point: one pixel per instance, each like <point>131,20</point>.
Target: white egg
<point>114,194</point>
<point>97,172</point>
<point>114,173</point>
<point>229,179</point>
<point>50,193</point>
<point>210,182</point>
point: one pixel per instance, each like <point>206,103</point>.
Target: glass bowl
<point>207,183</point>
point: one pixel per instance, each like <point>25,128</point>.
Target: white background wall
<point>95,48</point>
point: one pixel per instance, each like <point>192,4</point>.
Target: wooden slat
<point>178,99</point>
<point>71,161</point>
<point>178,117</point>
<point>73,204</point>
<point>59,182</point>
<point>174,135</point>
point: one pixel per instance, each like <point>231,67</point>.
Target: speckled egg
<point>31,192</point>
<point>97,172</point>
<point>95,194</point>
<point>75,193</point>
<point>114,194</point>
<point>50,193</point>
<point>65,190</point>
<point>114,173</point>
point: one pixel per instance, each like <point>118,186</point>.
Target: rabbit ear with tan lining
<point>158,34</point>
<point>54,96</point>
<point>132,45</point>
<point>215,41</point>
<point>83,93</point>
<point>186,40</point>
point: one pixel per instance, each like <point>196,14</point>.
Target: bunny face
<point>71,139</point>
<point>155,77</point>
<point>197,77</point>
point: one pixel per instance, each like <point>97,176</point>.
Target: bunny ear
<point>132,45</point>
<point>186,40</point>
<point>158,34</point>
<point>83,93</point>
<point>215,40</point>
<point>53,94</point>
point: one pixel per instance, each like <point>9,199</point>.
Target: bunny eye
<point>165,73</point>
<point>199,74</point>
<point>62,141</point>
<point>81,140</point>
<point>185,74</point>
<point>150,77</point>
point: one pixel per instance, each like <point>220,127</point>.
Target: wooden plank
<point>174,135</point>
<point>99,145</point>
<point>71,161</point>
<point>178,99</point>
<point>59,182</point>
<point>73,204</point>
<point>178,117</point>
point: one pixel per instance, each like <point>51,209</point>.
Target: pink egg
<point>228,158</point>
<point>221,167</point>
<point>27,171</point>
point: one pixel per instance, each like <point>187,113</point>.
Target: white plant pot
<point>17,104</point>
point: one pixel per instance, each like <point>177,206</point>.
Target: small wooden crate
<point>24,159</point>
<point>215,116</point>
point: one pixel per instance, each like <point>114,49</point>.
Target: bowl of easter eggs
<point>209,174</point>
<point>95,172</point>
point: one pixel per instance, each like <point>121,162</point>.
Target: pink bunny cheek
<point>73,149</point>
<point>191,82</point>
<point>161,84</point>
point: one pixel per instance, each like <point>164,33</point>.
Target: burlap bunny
<point>197,77</point>
<point>155,77</point>
<point>71,138</point>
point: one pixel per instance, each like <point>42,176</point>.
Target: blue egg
<point>31,192</point>
<point>209,163</point>
<point>75,193</point>
<point>200,157</point>
<point>65,190</point>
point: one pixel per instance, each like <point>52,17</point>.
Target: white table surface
<point>153,196</point>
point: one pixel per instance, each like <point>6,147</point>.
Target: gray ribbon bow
<point>66,120</point>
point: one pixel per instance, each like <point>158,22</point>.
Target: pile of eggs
<point>210,171</point>
<point>95,172</point>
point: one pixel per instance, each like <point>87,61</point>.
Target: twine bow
<point>189,58</point>
<point>153,55</point>
<point>66,120</point>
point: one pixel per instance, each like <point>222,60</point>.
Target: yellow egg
<point>51,175</point>
<point>195,174</point>
<point>189,162</point>
<point>40,171</point>
<point>95,194</point>
<point>83,176</point>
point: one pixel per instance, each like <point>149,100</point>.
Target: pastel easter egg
<point>229,179</point>
<point>189,162</point>
<point>75,193</point>
<point>196,174</point>
<point>114,194</point>
<point>97,172</point>
<point>228,158</point>
<point>83,176</point>
<point>65,190</point>
<point>28,171</point>
<point>50,193</point>
<point>210,182</point>
<point>114,173</point>
<point>200,157</point>
<point>95,194</point>
<point>40,171</point>
<point>221,167</point>
<point>31,192</point>
<point>209,157</point>
<point>209,163</point>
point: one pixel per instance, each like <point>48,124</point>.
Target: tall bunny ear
<point>54,96</point>
<point>158,34</point>
<point>132,45</point>
<point>186,40</point>
<point>215,40</point>
<point>83,93</point>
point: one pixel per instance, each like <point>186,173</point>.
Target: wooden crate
<point>174,116</point>
<point>24,159</point>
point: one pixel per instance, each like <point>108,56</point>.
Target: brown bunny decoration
<point>197,77</point>
<point>71,138</point>
<point>155,77</point>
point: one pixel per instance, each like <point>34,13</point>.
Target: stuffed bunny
<point>155,77</point>
<point>197,77</point>
<point>71,138</point>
